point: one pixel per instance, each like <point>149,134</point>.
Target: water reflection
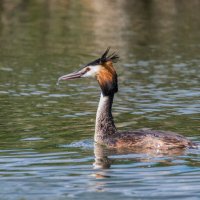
<point>124,24</point>
<point>140,169</point>
<point>102,160</point>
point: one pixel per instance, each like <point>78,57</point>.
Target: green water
<point>46,131</point>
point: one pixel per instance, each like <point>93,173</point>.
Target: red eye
<point>88,69</point>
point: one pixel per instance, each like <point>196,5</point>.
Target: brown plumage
<point>107,78</point>
<point>105,131</point>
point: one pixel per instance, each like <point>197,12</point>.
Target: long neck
<point>104,120</point>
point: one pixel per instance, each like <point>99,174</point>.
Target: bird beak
<point>73,75</point>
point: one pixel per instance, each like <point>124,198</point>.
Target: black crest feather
<point>105,58</point>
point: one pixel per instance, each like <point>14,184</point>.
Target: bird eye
<point>88,69</point>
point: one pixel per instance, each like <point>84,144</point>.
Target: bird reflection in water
<point>102,160</point>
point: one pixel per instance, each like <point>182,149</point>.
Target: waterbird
<point>106,133</point>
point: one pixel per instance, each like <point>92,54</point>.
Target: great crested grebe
<point>105,131</point>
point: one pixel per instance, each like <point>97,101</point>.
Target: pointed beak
<point>71,76</point>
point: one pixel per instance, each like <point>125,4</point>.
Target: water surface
<point>46,131</point>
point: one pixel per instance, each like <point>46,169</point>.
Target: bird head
<point>102,69</point>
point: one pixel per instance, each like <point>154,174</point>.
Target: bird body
<point>106,132</point>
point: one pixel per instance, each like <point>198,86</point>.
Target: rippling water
<point>46,131</point>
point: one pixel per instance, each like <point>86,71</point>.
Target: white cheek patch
<point>93,71</point>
